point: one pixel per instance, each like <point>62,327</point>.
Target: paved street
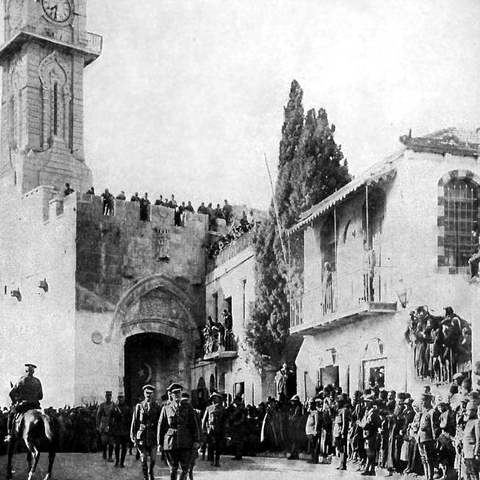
<point>76,466</point>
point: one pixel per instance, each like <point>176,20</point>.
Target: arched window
<point>460,218</point>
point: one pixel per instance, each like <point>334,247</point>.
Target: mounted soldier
<point>25,395</point>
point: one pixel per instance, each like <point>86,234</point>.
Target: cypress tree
<point>311,167</point>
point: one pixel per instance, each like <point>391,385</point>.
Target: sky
<point>187,96</point>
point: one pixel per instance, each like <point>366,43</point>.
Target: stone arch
<point>146,285</point>
<point>182,327</point>
<point>447,177</point>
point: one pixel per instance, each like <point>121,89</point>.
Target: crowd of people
<point>376,428</point>
<point>225,212</point>
<point>442,345</point>
<point>218,336</point>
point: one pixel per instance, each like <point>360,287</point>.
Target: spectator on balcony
<point>327,288</point>
<point>135,198</point>
<point>121,196</point>
<point>369,263</point>
<point>107,202</point>
<point>474,260</point>
<point>144,208</point>
<point>91,191</point>
<point>227,212</point>
<point>189,207</point>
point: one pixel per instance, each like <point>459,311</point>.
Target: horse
<point>38,431</point>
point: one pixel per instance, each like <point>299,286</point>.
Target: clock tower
<point>46,50</point>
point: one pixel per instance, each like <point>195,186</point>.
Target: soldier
<point>178,434</point>
<point>427,434</point>
<point>104,416</point>
<point>370,424</point>
<point>120,429</point>
<point>143,430</point>
<point>25,395</point>
<point>215,423</point>
<point>237,422</point>
<point>341,424</point>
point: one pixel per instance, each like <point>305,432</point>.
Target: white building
<point>416,211</point>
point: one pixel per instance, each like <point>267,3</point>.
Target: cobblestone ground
<point>77,466</point>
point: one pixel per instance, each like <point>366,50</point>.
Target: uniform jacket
<point>27,389</point>
<point>144,423</point>
<point>177,426</point>
<point>121,420</point>
<point>471,438</point>
<point>104,416</point>
<point>215,419</point>
<point>429,426</point>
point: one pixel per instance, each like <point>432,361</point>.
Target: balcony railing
<point>348,293</point>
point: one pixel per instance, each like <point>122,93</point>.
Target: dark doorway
<point>150,358</point>
<point>329,375</point>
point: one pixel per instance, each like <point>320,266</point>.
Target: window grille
<point>461,217</point>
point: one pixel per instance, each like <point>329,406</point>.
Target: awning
<point>380,172</point>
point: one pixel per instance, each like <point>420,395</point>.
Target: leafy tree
<point>311,167</point>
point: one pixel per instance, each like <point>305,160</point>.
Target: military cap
<point>185,395</point>
<point>108,392</point>
<point>295,397</point>
<point>30,365</point>
<point>458,375</point>
<point>174,387</point>
<point>318,399</point>
<point>215,394</point>
<point>148,388</point>
<point>120,394</point>
<point>401,395</point>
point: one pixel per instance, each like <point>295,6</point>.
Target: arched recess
<point>158,305</point>
<point>458,209</point>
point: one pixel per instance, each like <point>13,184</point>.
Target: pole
<point>279,227</point>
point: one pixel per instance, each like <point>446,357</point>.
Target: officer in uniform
<point>178,433</point>
<point>143,430</point>
<point>215,423</point>
<point>428,431</point>
<point>103,421</point>
<point>25,395</point>
<point>120,429</point>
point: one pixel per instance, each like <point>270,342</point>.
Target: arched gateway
<point>155,324</point>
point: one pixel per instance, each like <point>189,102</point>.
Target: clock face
<point>57,10</point>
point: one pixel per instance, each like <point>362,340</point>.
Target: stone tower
<point>44,55</point>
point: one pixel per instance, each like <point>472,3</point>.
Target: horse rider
<point>25,395</point>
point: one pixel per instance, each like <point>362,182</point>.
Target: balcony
<point>217,348</point>
<point>343,300</point>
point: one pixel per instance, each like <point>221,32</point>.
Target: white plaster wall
<point>40,328</point>
<point>409,247</point>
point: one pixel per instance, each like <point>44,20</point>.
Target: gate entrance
<point>150,358</point>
